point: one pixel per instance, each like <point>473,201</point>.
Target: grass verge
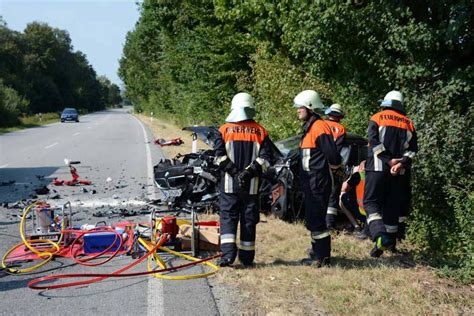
<point>32,121</point>
<point>355,284</point>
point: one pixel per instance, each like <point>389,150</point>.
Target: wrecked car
<point>283,180</point>
<point>193,178</point>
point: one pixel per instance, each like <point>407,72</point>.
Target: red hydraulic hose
<point>101,276</point>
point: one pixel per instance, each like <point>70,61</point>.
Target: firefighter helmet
<point>309,99</point>
<point>242,108</point>
<point>393,99</point>
<point>335,110</point>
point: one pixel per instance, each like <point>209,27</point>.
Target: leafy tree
<point>110,92</point>
<point>11,105</point>
<point>44,71</point>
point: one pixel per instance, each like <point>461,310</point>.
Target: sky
<point>96,27</point>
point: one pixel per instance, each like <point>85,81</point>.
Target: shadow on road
<point>14,284</point>
<point>19,183</point>
<point>113,286</point>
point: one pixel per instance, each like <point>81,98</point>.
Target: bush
<point>11,105</point>
<point>443,209</point>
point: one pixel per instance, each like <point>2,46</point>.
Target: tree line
<point>187,59</point>
<point>40,72</point>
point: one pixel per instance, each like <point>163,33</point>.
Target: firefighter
<point>243,152</point>
<point>318,153</point>
<point>335,114</point>
<point>392,146</point>
<point>352,198</point>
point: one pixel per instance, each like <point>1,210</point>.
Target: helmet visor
<point>394,104</point>
<point>241,114</point>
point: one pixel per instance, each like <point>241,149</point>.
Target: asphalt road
<point>116,155</point>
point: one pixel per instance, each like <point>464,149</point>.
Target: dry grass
<point>355,284</point>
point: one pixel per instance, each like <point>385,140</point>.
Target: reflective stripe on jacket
<point>391,135</point>
<point>317,148</point>
<point>243,143</point>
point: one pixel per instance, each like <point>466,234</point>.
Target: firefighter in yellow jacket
<point>318,154</point>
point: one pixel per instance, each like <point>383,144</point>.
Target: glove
<point>244,177</point>
<point>229,167</point>
<point>252,170</point>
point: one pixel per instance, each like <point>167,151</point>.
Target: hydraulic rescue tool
<point>50,234</point>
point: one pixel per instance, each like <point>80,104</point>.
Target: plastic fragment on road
<point>76,180</point>
<point>172,142</point>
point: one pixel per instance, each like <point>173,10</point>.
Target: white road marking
<point>52,145</point>
<point>4,166</point>
<point>149,164</point>
<point>75,134</point>
<point>89,127</point>
<point>155,291</point>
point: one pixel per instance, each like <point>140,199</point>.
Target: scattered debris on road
<point>6,183</point>
<point>42,190</point>
<point>172,142</point>
<point>76,180</point>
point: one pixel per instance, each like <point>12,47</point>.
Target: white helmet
<point>335,110</point>
<point>242,108</point>
<point>393,99</point>
<point>309,99</point>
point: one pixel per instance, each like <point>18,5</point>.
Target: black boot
<point>393,246</point>
<point>318,263</point>
<point>319,254</point>
<point>402,227</point>
<point>363,233</point>
<point>224,262</point>
<point>382,243</point>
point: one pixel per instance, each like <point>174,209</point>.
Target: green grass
<point>31,121</point>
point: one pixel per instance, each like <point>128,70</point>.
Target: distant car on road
<point>69,114</point>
